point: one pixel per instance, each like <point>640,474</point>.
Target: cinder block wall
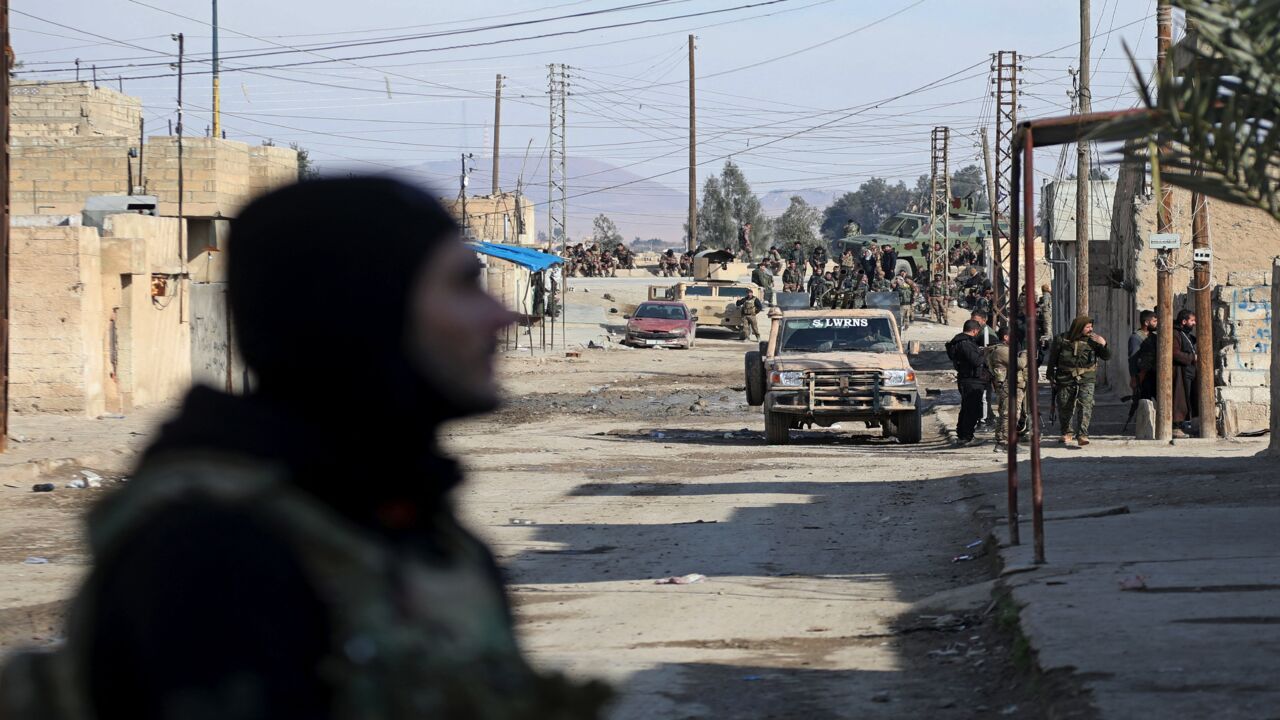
<point>72,110</point>
<point>58,333</point>
<point>1242,331</point>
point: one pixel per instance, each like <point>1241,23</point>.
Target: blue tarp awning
<point>534,260</point>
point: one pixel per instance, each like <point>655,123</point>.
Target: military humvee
<point>820,367</point>
<point>713,301</point>
<point>908,234</point>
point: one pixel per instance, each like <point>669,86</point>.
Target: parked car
<point>714,302</point>
<point>661,323</point>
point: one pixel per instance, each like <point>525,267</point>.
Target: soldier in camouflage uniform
<point>266,561</point>
<point>998,362</point>
<point>792,278</point>
<point>1073,369</point>
<point>937,294</point>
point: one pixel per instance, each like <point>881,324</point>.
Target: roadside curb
<point>33,470</point>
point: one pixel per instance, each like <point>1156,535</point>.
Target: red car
<point>661,323</point>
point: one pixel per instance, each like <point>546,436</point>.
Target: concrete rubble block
<point>1242,310</point>
<point>1145,420</point>
<point>1248,277</point>
<point>1241,417</point>
<point>1227,394</point>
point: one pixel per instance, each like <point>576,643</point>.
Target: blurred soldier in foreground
<point>293,553</point>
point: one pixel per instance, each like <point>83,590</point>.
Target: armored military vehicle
<point>908,234</point>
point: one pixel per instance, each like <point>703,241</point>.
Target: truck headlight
<point>787,379</point>
<point>899,377</point>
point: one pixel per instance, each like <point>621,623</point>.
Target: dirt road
<point>608,472</point>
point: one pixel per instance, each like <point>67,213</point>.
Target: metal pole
<point>1033,395</point>
<point>4,226</point>
<point>497,128</point>
<point>1202,277</point>
<point>693,155</point>
<point>142,146</point>
<point>182,188</point>
<point>1015,223</point>
<point>994,258</point>
<point>217,77</point>
<point>1084,214</point>
<point>1164,283</point>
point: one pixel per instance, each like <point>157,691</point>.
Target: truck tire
<point>777,428</point>
<point>754,376</point>
<point>908,426</point>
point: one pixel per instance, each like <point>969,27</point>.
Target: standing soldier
<point>797,256</point>
<point>998,360</point>
<point>1073,370</point>
<point>1044,314</point>
<point>818,260</point>
<point>762,277</point>
<point>744,243</point>
<point>937,293</point>
<point>750,306</point>
<point>907,294</point>
<point>847,262</point>
<point>792,278</point>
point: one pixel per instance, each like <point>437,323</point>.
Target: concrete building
<point>1123,281</point>
<point>503,218</point>
<point>127,314</point>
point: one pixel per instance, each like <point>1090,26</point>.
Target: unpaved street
<point>608,472</point>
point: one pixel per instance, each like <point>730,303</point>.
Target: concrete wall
<point>492,218</point>
<point>1243,240</point>
<point>72,110</point>
<point>1242,332</point>
<point>58,335</point>
<point>212,343</point>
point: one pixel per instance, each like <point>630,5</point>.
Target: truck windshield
<point>837,334</point>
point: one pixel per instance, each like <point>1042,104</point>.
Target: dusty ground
<point>831,588</point>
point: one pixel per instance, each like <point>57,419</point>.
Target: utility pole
<point>557,163</point>
<point>4,225</point>
<point>990,251</point>
<point>182,188</point>
<point>497,126</point>
<point>1164,258</point>
<point>693,155</point>
<point>1201,278</point>
<point>1005,68</point>
<point>940,195</point>
<point>464,179</point>
<point>142,151</point>
<point>1084,212</point>
<point>217,78</point>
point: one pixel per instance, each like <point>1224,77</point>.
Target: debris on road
<point>689,579</point>
<point>42,487</point>
<point>963,558</point>
<point>1136,582</point>
<point>36,561</point>
<point>521,521</point>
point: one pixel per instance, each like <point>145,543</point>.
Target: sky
<point>802,94</point>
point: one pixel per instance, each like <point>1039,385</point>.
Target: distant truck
<point>908,233</point>
<point>820,367</point>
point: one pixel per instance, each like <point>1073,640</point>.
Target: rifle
<point>1133,399</point>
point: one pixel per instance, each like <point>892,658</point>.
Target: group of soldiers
<point>592,261</point>
<point>672,265</point>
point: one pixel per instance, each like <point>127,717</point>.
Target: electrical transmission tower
<point>940,199</point>
<point>1004,66</point>
<point>557,159</point>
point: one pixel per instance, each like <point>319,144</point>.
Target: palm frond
<point>1218,119</point>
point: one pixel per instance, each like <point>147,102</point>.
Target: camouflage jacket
<point>408,639</point>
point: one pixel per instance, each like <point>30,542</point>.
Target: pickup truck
<point>820,367</point>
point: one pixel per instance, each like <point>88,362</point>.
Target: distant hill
<point>775,202</point>
<point>644,208</point>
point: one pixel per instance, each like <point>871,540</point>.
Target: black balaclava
<point>319,276</point>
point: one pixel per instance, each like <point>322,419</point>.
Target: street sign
<point>1164,241</point>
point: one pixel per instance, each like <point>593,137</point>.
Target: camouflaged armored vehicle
<point>908,234</point>
<point>820,367</point>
